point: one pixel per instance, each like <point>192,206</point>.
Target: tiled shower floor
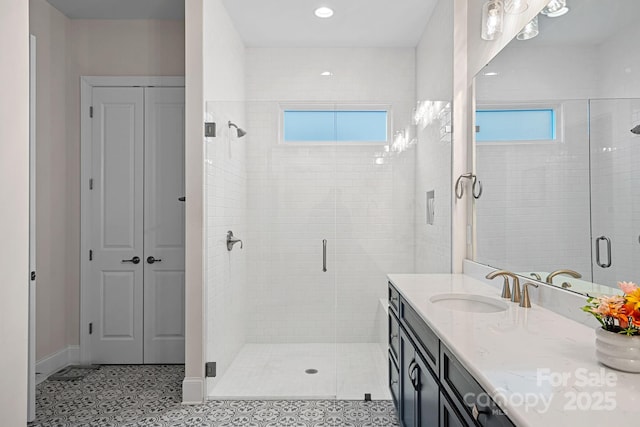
<point>268,371</point>
<point>149,395</point>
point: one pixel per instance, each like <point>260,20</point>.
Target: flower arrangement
<point>618,313</point>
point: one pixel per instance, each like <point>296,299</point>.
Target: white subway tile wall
<point>226,209</point>
<point>299,195</point>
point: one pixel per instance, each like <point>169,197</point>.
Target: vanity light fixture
<point>555,8</point>
<point>492,19</point>
<point>530,30</point>
<point>515,7</point>
<point>324,12</point>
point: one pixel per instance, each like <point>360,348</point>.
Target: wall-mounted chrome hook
<point>476,186</point>
<point>231,240</point>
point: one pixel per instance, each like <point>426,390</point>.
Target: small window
<point>335,125</point>
<point>516,125</point>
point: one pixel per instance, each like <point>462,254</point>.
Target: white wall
<point>434,81</point>
<point>225,189</point>
<point>193,386</point>
<point>14,215</point>
<point>295,192</point>
<point>53,305</point>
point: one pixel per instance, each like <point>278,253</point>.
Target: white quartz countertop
<point>538,366</point>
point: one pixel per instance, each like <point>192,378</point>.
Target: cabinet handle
<point>394,382</point>
<point>394,336</point>
<point>413,376</point>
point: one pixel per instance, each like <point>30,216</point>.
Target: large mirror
<point>558,150</point>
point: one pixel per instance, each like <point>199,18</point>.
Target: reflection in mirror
<point>555,152</point>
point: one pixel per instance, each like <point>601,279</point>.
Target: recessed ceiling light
<point>326,74</point>
<point>324,12</point>
<point>490,73</point>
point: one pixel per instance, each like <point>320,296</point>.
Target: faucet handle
<point>526,302</point>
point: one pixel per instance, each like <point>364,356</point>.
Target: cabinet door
<point>408,403</point>
<point>449,416</point>
<point>428,394</point>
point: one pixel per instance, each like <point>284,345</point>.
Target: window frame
<point>333,106</point>
<point>525,106</point>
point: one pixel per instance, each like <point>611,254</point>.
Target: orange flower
<point>609,306</point>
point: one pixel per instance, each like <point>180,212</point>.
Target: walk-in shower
<point>323,192</point>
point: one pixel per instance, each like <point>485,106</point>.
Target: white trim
<point>192,390</point>
<point>87,83</point>
<point>127,81</point>
<point>31,380</point>
<point>56,361</point>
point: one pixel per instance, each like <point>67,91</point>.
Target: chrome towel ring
<point>476,186</point>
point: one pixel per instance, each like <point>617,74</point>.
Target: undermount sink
<point>469,302</point>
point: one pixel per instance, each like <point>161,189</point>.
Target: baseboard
<point>192,390</point>
<point>53,363</point>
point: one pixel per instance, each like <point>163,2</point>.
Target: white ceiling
<point>121,9</point>
<point>356,23</point>
<point>285,23</point>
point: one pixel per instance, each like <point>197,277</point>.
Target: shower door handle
<point>324,255</point>
<point>600,263</point>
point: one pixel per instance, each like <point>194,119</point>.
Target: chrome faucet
<point>232,241</point>
<point>506,293</point>
<point>553,274</point>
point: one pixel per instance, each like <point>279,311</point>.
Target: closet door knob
<point>152,260</point>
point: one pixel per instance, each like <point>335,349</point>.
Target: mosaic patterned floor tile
<point>133,396</point>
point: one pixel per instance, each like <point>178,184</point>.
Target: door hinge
<point>91,112</point>
<point>90,183</point>
<point>90,328</point>
<point>209,129</point>
<point>33,276</point>
<point>210,369</point>
<point>90,254</point>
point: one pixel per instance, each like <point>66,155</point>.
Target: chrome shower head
<point>240,132</point>
<point>636,130</point>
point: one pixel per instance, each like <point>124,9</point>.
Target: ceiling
<point>356,23</point>
<point>121,9</point>
<point>285,23</point>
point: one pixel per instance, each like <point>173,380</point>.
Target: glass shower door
<point>291,261</point>
<point>615,190</point>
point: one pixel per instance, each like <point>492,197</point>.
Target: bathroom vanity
<point>484,361</point>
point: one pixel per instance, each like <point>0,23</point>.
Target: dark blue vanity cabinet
<point>427,383</point>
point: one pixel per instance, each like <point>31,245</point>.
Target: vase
<point>618,351</point>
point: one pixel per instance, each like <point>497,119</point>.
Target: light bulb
<point>492,19</point>
<point>530,30</point>
<point>555,8</point>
